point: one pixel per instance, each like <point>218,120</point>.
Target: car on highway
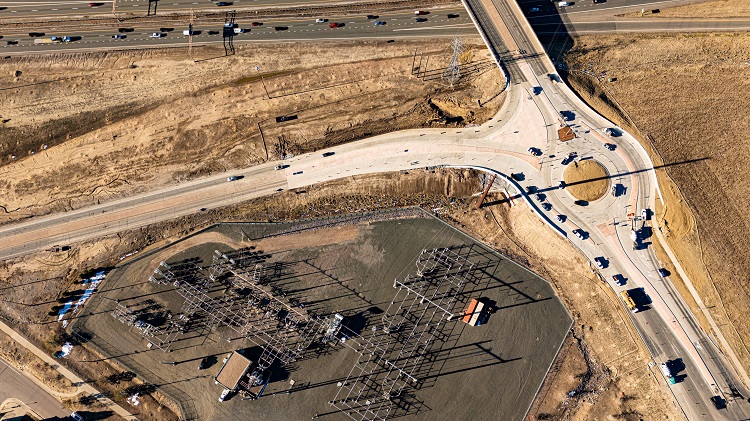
<point>379,23</point>
<point>95,4</point>
<point>11,42</point>
<point>539,197</point>
<point>608,131</point>
<point>156,35</point>
<point>563,3</point>
<point>261,23</point>
<point>420,19</point>
<point>233,178</point>
<point>530,189</point>
<point>561,184</point>
<point>321,20</point>
<point>372,17</point>
<point>610,146</point>
<point>452,15</point>
<point>279,189</point>
<point>534,151</point>
<point>599,1</point>
<point>326,154</point>
<point>119,36</point>
<point>281,167</point>
<point>213,32</point>
<point>281,28</point>
<point>547,206</point>
<point>565,160</point>
<point>534,9</point>
<point>645,214</point>
<point>121,30</point>
<point>663,272</point>
<point>578,233</point>
<point>297,173</point>
<point>619,280</point>
<point>560,218</point>
<point>564,115</point>
<point>336,25</point>
<point>719,402</point>
<point>223,3</point>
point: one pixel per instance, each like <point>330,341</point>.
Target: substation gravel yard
<point>80,129</point>
<point>603,362</point>
<point>687,96</point>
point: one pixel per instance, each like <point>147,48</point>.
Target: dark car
<point>420,19</point>
<point>663,272</point>
<point>119,36</point>
<point>336,25</point>
<point>371,17</point>
<point>11,42</point>
<point>204,364</point>
<point>257,24</point>
<point>328,154</point>
<point>452,15</point>
<point>121,30</point>
<point>581,202</point>
<point>718,402</point>
<point>281,28</point>
<point>213,32</point>
<point>223,3</point>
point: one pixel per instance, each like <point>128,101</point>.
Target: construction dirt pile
<point>602,368</point>
<point>80,129</point>
<point>685,96</point>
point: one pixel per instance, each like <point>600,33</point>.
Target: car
<point>719,402</point>
<point>213,32</point>
<point>615,190</point>
<point>225,393</point>
<point>321,20</point>
<point>121,30</point>
<point>608,131</point>
<point>663,272</point>
<point>599,1</point>
<point>166,29</point>
<point>564,115</point>
<point>563,4</point>
<point>560,218</point>
<point>261,23</point>
<point>326,154</point>
<point>36,34</point>
<point>581,202</point>
<point>379,23</point>
<point>610,146</point>
<point>204,364</point>
<point>281,28</point>
<point>119,36</point>
<point>232,178</point>
<point>452,15</point>
<point>561,184</point>
<point>95,4</point>
<point>552,77</point>
<point>619,280</point>
<point>156,35</point>
<point>372,17</point>
<point>420,19</point>
<point>532,151</point>
<point>547,206</point>
<point>279,189</point>
<point>297,173</point>
<point>600,262</point>
<point>11,42</point>
<point>645,214</point>
<point>578,233</point>
<point>534,10</point>
<point>565,161</point>
<point>531,189</point>
<point>336,25</point>
<point>223,3</point>
<point>76,416</point>
<point>539,197</point>
<point>281,167</point>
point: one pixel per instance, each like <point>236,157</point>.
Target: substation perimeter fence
<point>340,220</point>
<point>180,398</point>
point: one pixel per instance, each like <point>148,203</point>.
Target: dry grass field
<point>79,129</point>
<point>586,180</point>
<point>719,9</point>
<point>686,95</point>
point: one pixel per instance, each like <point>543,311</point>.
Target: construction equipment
<point>629,301</point>
<point>473,312</point>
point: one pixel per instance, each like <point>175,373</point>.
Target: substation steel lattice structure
<point>413,328</point>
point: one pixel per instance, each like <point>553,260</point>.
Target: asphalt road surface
<point>443,23</point>
<point>15,385</point>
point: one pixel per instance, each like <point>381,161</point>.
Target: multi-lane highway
<point>444,22</point>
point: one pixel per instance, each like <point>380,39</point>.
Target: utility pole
<point>190,36</point>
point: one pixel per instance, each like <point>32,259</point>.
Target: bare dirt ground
<point>91,127</point>
<point>586,180</point>
<point>603,363</point>
<point>685,96</point>
<point>709,9</point>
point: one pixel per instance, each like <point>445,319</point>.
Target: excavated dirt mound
<point>586,180</point>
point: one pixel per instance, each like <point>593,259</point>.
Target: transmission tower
<point>453,72</point>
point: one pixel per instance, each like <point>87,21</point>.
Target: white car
<point>608,131</point>
<point>599,262</point>
<point>560,218</point>
<point>320,20</point>
<point>563,3</point>
<point>644,214</point>
<point>578,234</point>
<point>232,178</point>
<point>223,395</point>
<point>156,35</point>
